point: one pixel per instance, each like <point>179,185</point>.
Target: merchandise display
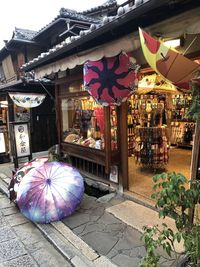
<point>83,123</point>
<point>151,146</point>
<point>182,128</point>
<point>156,121</point>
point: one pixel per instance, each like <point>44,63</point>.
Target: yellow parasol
<point>167,62</point>
<point>155,83</point>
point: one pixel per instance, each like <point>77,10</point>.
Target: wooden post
<point>194,163</point>
<point>122,142</point>
<point>107,138</point>
<point>195,153</point>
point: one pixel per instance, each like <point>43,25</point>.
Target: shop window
<point>82,122</point>
<point>75,87</point>
<point>113,123</point>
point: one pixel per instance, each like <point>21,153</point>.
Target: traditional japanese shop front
<point>129,143</point>
<point>88,132</point>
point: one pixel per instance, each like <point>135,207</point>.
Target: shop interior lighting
<point>173,43</point>
<point>3,104</point>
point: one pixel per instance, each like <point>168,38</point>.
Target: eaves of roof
<point>141,15</point>
<point>12,44</point>
<point>20,85</point>
<point>66,14</point>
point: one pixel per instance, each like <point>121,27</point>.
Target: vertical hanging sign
<point>21,141</point>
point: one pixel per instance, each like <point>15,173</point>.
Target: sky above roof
<point>34,15</point>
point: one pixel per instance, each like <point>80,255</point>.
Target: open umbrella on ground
<point>50,192</point>
<point>110,81</point>
<point>167,62</point>
<point>20,173</point>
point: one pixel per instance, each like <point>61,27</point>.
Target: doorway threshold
<point>140,199</point>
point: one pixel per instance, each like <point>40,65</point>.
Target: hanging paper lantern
<point>110,81</point>
<point>27,100</point>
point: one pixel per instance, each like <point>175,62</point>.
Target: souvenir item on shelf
<point>151,148</point>
<point>110,81</point>
<point>98,112</point>
<point>168,62</point>
<point>154,83</point>
<point>50,192</point>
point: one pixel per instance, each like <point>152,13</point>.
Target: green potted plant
<point>177,198</point>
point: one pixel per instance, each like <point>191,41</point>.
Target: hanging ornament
<point>110,81</point>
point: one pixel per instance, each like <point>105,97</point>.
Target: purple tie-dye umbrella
<point>20,173</point>
<point>50,192</point>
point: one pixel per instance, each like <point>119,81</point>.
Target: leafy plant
<point>175,197</point>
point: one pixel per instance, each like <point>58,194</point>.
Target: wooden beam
<point>122,142</point>
<point>195,153</point>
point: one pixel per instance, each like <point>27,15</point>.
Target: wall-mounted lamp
<point>3,104</point>
<point>173,43</point>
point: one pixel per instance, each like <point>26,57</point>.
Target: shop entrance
<point>160,138</point>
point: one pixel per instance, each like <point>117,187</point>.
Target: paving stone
<point>132,234</point>
<point>138,252</point>
<point>76,220</point>
<point>108,218</point>
<point>63,246</point>
<point>7,180</point>
<point>104,262</point>
<point>32,247</point>
<point>28,233</point>
<point>49,257</point>
<point>10,210</point>
<point>112,253</point>
<point>23,261</point>
<point>16,219</point>
<point>124,260</point>
<point>5,203</point>
<point>89,203</point>
<point>91,227</point>
<point>115,229</point>
<point>77,262</point>
<point>124,243</point>
<point>100,242</point>
<point>2,220</point>
<point>6,234</point>
<point>11,249</point>
<point>106,198</point>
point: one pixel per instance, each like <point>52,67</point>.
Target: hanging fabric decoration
<point>110,81</point>
<point>27,100</point>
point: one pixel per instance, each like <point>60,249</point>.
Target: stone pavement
<point>89,237</point>
<point>21,243</point>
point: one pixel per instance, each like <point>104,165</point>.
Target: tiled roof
<point>72,14</point>
<point>23,34</point>
<point>106,5</point>
<point>121,11</point>
<point>69,14</point>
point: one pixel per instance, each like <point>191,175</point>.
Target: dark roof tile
<point>72,14</point>
<point>23,34</point>
<point>106,5</point>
